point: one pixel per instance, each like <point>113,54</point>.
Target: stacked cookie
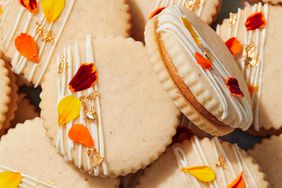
<point>112,108</point>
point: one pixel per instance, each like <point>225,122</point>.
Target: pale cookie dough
<point>166,171</point>
<point>78,18</point>
<point>27,150</point>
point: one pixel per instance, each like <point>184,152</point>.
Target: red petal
<point>255,21</point>
<point>182,134</point>
<point>233,86</point>
<point>85,78</point>
<point>156,12</point>
<point>30,5</point>
<point>203,62</point>
<point>234,46</point>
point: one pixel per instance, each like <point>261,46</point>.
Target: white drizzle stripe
<point>182,161</point>
<point>28,181</point>
<point>166,3</point>
<point>95,128</point>
<point>253,75</point>
<point>46,64</point>
<point>169,21</point>
<point>3,4</point>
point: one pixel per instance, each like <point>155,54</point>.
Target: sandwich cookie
<point>252,35</point>
<point>28,160</point>
<point>32,31</point>
<point>142,10</point>
<point>203,163</point>
<point>104,109</point>
<point>198,72</point>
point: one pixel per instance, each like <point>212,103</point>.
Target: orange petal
<point>85,78</point>
<point>234,46</point>
<point>252,89</point>
<point>26,46</point>
<point>80,134</point>
<point>234,88</point>
<point>10,179</point>
<point>156,12</point>
<point>238,182</point>
<point>203,62</point>
<point>255,21</point>
<point>30,5</point>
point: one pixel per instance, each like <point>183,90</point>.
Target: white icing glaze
<point>28,181</point>
<point>19,62</point>
<point>182,159</point>
<point>169,21</point>
<point>96,127</point>
<point>166,3</point>
<point>253,75</point>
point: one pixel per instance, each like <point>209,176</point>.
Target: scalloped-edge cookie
<point>33,31</point>
<point>27,151</point>
<point>198,72</point>
<point>8,97</point>
<point>141,10</point>
<point>104,108</point>
<point>268,155</point>
<point>258,56</point>
<point>25,111</point>
<point>220,162</point>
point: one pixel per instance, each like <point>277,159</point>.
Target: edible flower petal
<point>201,173</point>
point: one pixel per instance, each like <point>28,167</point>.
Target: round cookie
<point>31,36</point>
<point>118,98</point>
<point>274,2</point>
<point>27,150</point>
<point>25,111</point>
<point>226,162</point>
<point>258,57</point>
<point>198,72</point>
<point>141,10</point>
<point>269,156</point>
<point>8,97</point>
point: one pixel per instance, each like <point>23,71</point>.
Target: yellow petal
<point>202,173</point>
<point>68,109</point>
<point>52,9</point>
<point>10,179</point>
<point>189,27</point>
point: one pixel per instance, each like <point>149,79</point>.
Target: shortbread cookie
<point>198,72</point>
<point>25,111</point>
<point>268,154</point>
<point>8,97</point>
<point>32,32</point>
<point>275,2</point>
<point>141,11</point>
<point>27,150</point>
<point>104,108</point>
<point>253,35</point>
<point>203,163</point>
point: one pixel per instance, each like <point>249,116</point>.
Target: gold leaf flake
<point>250,54</point>
<point>47,36</point>
<point>221,162</point>
<point>193,5</point>
<point>232,19</point>
<point>63,64</point>
<point>95,159</point>
<point>88,106</point>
